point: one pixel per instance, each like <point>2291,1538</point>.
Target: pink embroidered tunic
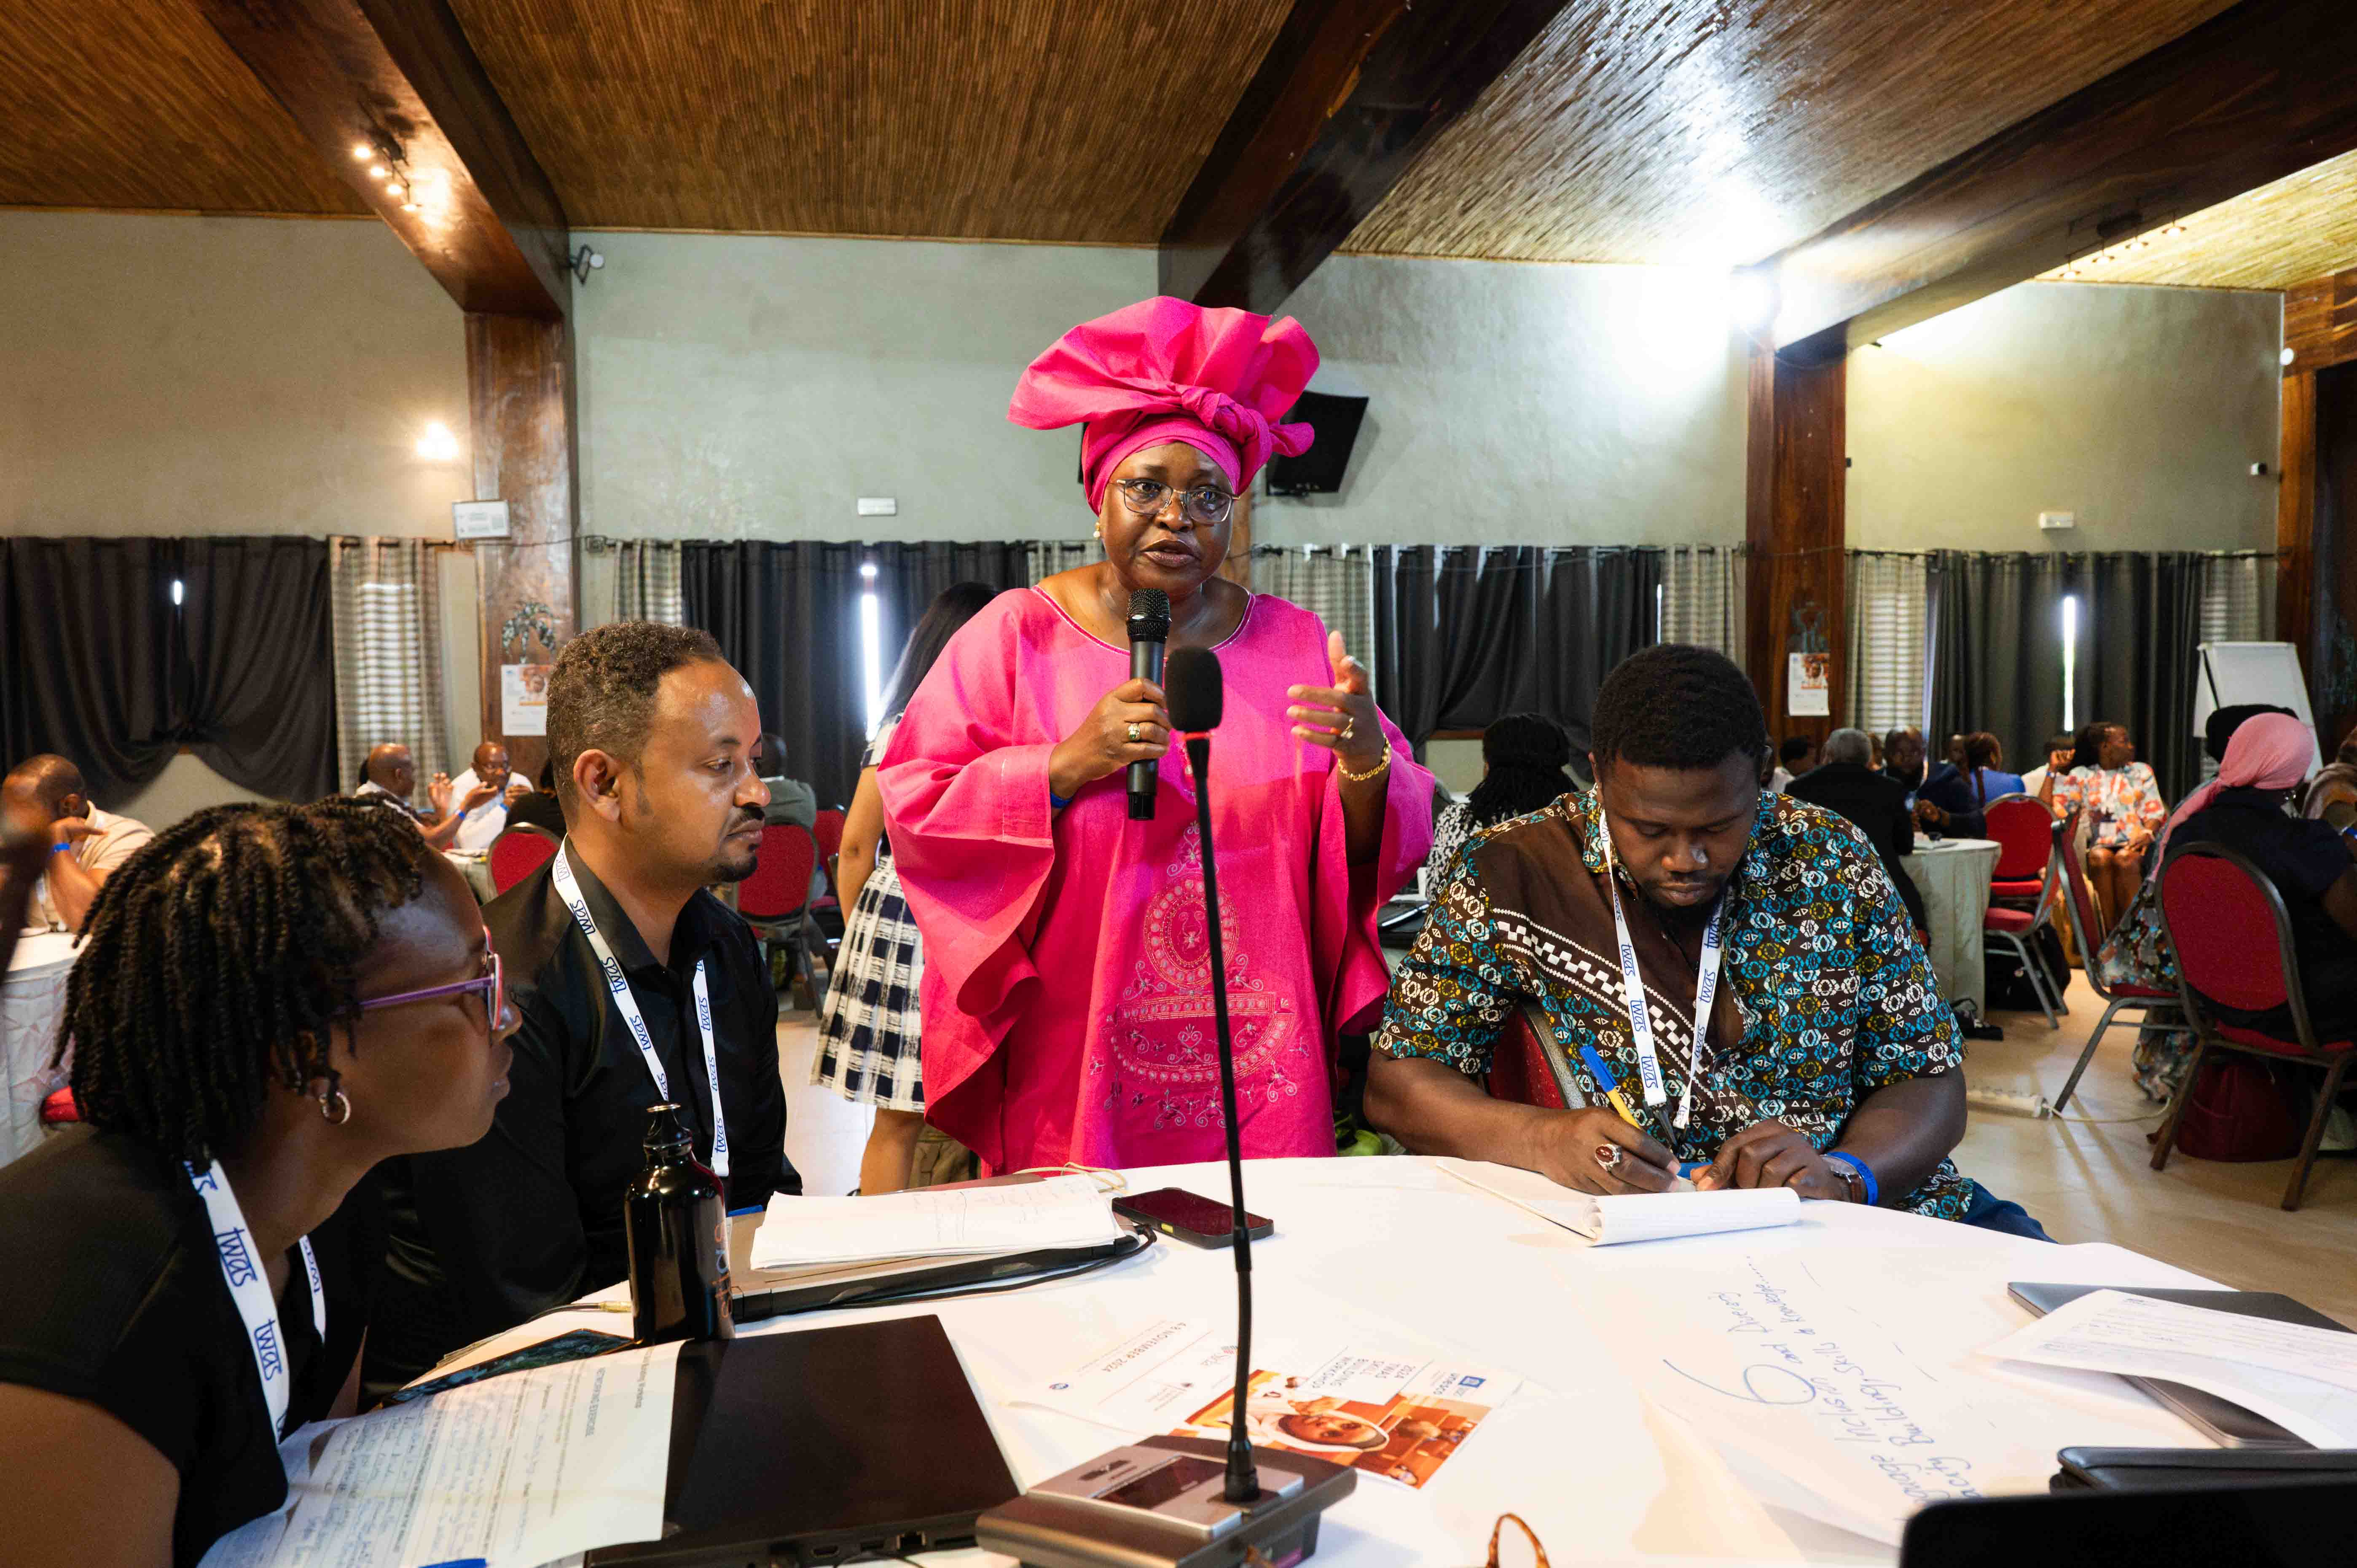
<point>1067,990</point>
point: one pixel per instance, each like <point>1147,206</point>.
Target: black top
<point>538,809</point>
<point>1951,789</point>
<point>1878,803</point>
<point>119,1301</point>
<point>530,1216</point>
<point>2302,858</point>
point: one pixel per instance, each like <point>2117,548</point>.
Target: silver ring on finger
<point>1134,737</point>
<point>1350,727</point>
<point>1609,1156</point>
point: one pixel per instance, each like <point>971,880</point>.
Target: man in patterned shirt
<point>1829,1063</point>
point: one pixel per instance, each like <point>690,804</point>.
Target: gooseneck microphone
<point>1150,630</point>
<point>1197,694</point>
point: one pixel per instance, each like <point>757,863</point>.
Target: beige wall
<point>2141,410</point>
<point>222,375</point>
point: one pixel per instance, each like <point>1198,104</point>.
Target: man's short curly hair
<point>601,695</point>
<point>1676,705</point>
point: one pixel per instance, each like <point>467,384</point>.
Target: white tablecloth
<point>1601,1473</point>
<point>1953,878</point>
<point>32,1000</point>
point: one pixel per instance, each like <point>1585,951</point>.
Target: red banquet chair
<point>2024,831</point>
<point>1528,1067</point>
<point>2014,932</point>
<point>827,912</point>
<point>775,900</point>
<point>2081,907</point>
<point>519,852</point>
<point>2233,939</point>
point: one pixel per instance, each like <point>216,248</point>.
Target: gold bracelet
<point>1375,772</point>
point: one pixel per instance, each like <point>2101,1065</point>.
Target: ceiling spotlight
<point>377,171</point>
<point>393,188</point>
<point>437,444</point>
<point>2285,356</point>
<point>362,152</point>
<point>409,207</point>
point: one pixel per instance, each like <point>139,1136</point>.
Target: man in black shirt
<point>656,748</point>
<point>1848,785</point>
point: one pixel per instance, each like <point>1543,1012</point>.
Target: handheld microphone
<point>1149,628</point>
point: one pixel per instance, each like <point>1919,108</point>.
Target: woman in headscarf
<point>2310,864</point>
<point>1067,999</point>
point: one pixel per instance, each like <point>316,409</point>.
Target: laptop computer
<point>2297,1524</point>
<point>822,1447</point>
<point>2221,1421</point>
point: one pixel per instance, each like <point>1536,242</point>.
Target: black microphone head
<point>1149,615</point>
<point>1192,682</point>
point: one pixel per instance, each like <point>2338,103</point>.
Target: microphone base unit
<point>1159,1504</point>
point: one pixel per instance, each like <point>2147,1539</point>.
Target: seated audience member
<point>1845,785</point>
<point>1948,802</point>
<point>389,777</point>
<point>86,844</point>
<point>1825,1008</point>
<point>1797,755</point>
<point>24,849</point>
<point>541,808</point>
<point>1902,758</point>
<point>270,1000</point>
<point>655,739</point>
<point>790,800</point>
<point>2124,810</point>
<point>2040,780</point>
<point>1524,763</point>
<point>484,820</point>
<point>2309,863</point>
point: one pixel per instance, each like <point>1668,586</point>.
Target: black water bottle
<point>678,1231</point>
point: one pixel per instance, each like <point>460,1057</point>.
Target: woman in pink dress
<point>1067,990</point>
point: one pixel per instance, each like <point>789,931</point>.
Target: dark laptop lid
<point>823,1447</point>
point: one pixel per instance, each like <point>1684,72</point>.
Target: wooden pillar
<point>519,389</point>
<point>2296,525</point>
<point>1794,479</point>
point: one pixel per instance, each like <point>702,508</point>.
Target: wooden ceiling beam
<point>1347,97</point>
<point>2319,323</point>
<point>400,74</point>
<point>2257,92</point>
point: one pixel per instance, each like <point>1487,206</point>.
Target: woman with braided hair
<point>269,1001</point>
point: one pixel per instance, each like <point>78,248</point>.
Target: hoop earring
<point>334,1108</point>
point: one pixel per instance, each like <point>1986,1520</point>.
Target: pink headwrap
<point>2270,751</point>
<point>1163,370</point>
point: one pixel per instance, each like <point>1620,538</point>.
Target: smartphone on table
<point>1183,1217</point>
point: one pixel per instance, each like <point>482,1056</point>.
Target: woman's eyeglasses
<point>491,984</point>
<point>1206,504</point>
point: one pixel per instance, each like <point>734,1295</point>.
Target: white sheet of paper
<point>1062,1211</point>
<point>518,1470</point>
<point>2302,1378</point>
<point>1632,1217</point>
<point>1766,1366</point>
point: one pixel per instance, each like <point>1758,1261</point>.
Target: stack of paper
<point>1632,1217</point>
<point>1063,1211</point>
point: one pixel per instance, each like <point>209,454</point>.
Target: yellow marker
<point>1622,1105</point>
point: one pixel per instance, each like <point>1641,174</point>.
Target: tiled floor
<point>2086,1180</point>
<point>2091,1181</point>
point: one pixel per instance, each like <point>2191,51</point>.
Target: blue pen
<point>1612,1090</point>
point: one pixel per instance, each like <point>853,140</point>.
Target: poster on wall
<point>523,699</point>
<point>1808,686</point>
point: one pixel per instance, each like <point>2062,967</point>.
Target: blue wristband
<point>61,846</point>
<point>1873,1190</point>
<point>1058,802</point>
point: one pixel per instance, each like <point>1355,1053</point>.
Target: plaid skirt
<point>867,1028</point>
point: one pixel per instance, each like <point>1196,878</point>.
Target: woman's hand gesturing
<point>1128,725</point>
<point>1340,717</point>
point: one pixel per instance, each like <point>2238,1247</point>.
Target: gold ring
<point>1350,727</point>
<point>1134,737</point>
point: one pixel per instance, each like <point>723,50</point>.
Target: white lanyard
<point>248,1286</point>
<point>619,983</point>
<point>1632,990</point>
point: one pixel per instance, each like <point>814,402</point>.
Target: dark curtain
<point>257,688</point>
<point>89,641</point>
<point>1997,641</point>
<point>787,615</point>
<point>1466,634</point>
<point>910,575</point>
<point>2140,633</point>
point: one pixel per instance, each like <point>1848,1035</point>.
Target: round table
<point>32,1000</point>
<point>1953,878</point>
<point>1399,1251</point>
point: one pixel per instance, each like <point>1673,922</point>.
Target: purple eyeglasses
<point>492,983</point>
